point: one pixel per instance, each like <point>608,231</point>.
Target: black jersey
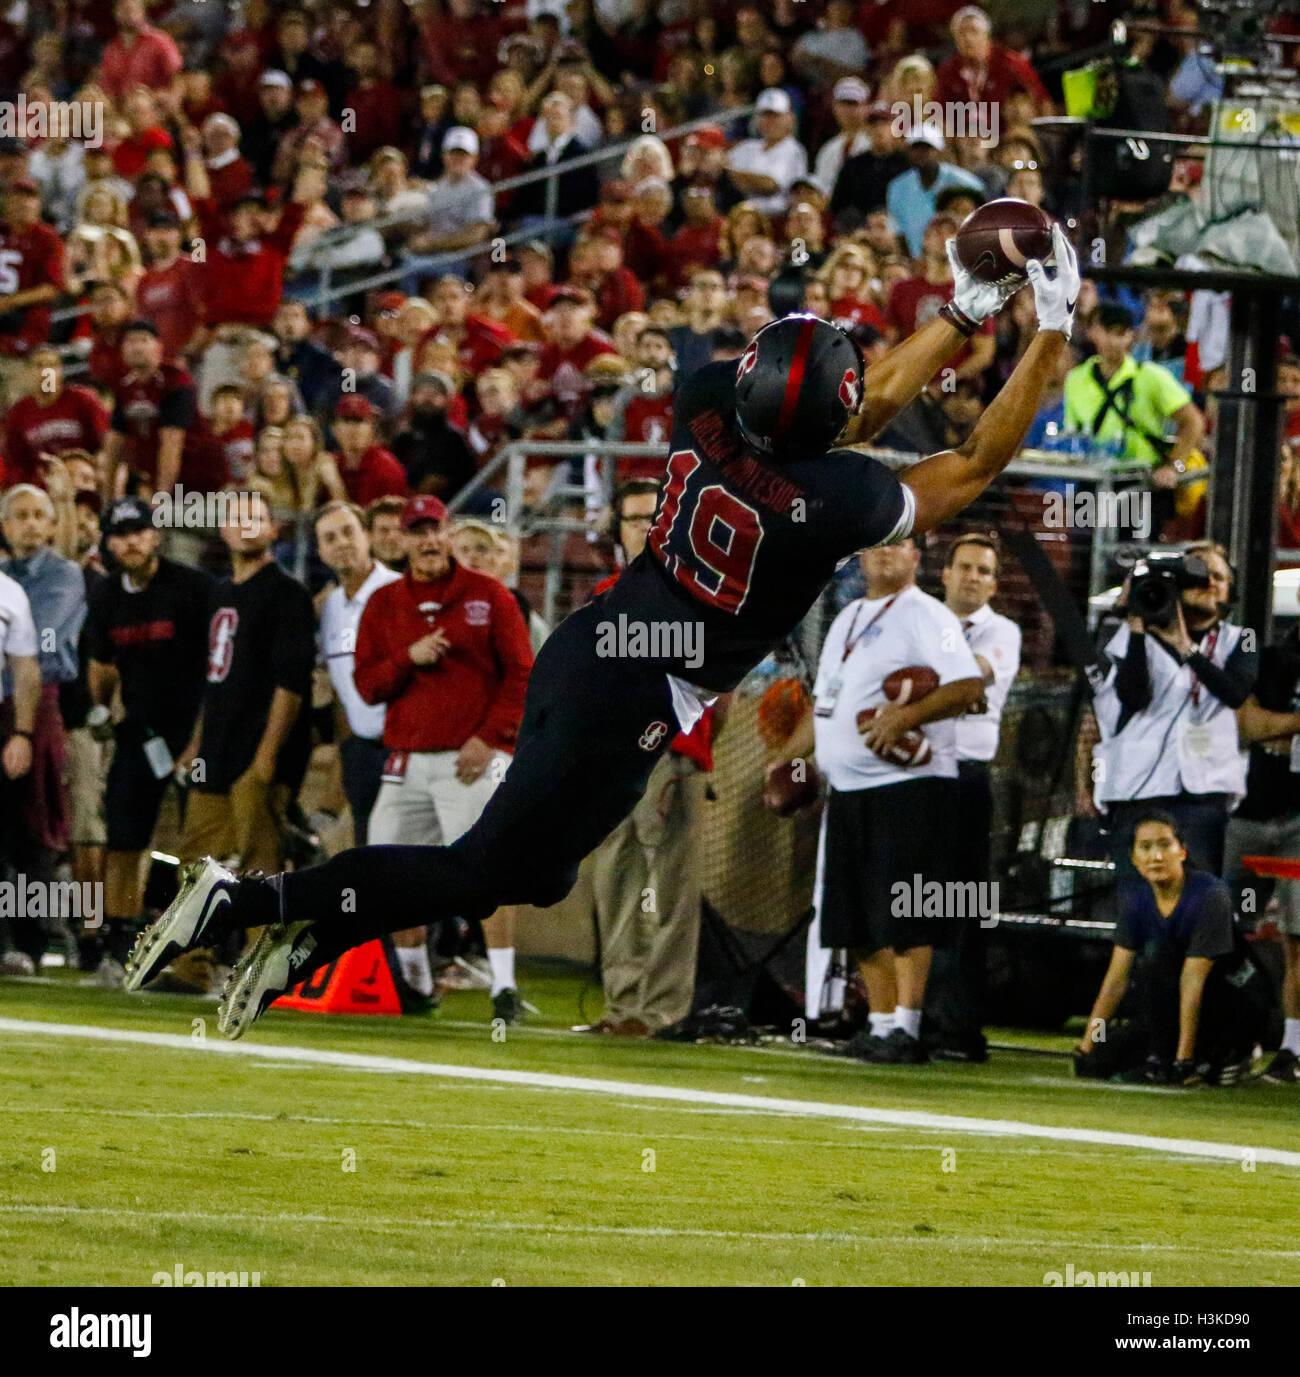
<point>157,638</point>
<point>261,637</point>
<point>742,545</point>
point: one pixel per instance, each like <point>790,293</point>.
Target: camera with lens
<point>1157,584</point>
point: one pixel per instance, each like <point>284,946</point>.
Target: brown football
<point>908,684</point>
<point>905,685</point>
<point>996,241</point>
<point>790,786</point>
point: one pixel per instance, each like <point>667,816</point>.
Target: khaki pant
<point>243,824</point>
<point>431,807</point>
<point>646,885</point>
<point>85,772</point>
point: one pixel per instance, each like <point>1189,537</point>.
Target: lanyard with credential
<point>831,695</point>
<point>850,641</point>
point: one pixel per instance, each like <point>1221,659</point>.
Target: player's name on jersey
<point>189,510</point>
<point>630,638</point>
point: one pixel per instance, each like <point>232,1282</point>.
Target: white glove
<point>1055,296</point>
<point>975,299</point>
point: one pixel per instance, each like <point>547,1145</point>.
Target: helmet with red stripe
<point>797,384</point>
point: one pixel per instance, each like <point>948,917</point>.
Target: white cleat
<point>272,965</point>
<point>206,888</point>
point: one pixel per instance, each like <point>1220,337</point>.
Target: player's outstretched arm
<point>946,483</point>
<point>895,381</point>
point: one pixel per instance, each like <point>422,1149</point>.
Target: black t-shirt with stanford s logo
<point>261,636</point>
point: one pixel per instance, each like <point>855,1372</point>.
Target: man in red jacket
<point>368,470</point>
<point>243,277</point>
<point>447,650</point>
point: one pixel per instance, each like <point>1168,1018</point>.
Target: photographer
<point>1174,675</point>
<point>1178,1023</point>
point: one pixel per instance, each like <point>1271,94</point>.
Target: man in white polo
<point>970,580</point>
<point>850,108</point>
<point>344,545</point>
<point>885,824</point>
<point>764,168</point>
<point>20,687</point>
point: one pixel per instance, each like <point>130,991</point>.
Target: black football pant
<point>592,730</point>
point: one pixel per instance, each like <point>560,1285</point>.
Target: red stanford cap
<point>354,408</point>
<point>424,507</point>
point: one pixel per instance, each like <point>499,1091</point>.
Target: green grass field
<point>334,1174</point>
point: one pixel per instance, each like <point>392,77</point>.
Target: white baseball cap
<point>851,89</point>
<point>930,133</point>
<point>274,77</point>
<point>466,140</point>
<point>773,101</point>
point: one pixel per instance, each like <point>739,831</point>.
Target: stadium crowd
<point>328,260</point>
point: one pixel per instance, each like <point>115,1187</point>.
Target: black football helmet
<point>797,383</point>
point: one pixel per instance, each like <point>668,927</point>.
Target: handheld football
<point>790,786</point>
<point>996,241</point>
<point>906,685</point>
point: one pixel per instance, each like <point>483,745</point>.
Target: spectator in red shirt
<point>537,263</point>
<point>375,102</point>
<point>31,276</point>
<point>478,341</point>
<point>140,55</point>
<point>846,274</point>
<point>571,344</point>
<point>696,243</point>
<point>219,451</point>
<point>983,72</point>
<point>229,175</point>
<point>916,301</point>
<point>170,292</point>
<point>616,287</point>
<point>367,469</point>
<point>155,408</point>
<point>243,278</point>
<point>110,309</point>
<point>52,418</point>
<point>446,649</point>
<point>647,414</point>
<point>146,136</point>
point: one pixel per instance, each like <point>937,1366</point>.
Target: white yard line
<point>476,1224</point>
<point>765,1104</point>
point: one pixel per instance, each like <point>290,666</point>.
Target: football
<point>996,241</point>
<point>910,683</point>
<point>905,685</point>
<point>790,786</point>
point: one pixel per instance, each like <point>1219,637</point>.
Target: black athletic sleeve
<point>1212,935</point>
<point>1231,684</point>
<point>878,508</point>
<point>178,407</point>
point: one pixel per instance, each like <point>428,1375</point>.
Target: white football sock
<point>1291,1038</point>
<point>502,961</point>
<point>414,962</point>
<point>909,1020</point>
<point>881,1025</point>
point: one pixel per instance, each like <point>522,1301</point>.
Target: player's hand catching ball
<point>973,298</point>
<point>1056,295</point>
<point>475,756</point>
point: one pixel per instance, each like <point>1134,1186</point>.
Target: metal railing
<point>433,262</point>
